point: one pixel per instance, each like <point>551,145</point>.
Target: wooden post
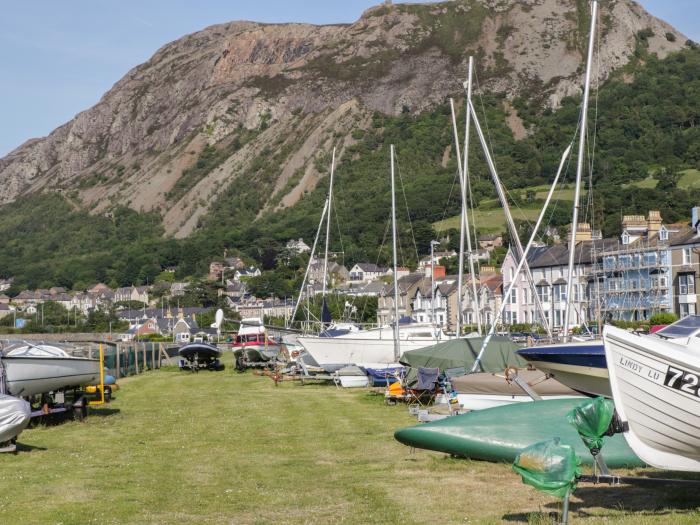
<point>116,353</point>
<point>153,357</point>
<point>160,355</point>
<point>143,369</point>
<point>136,357</point>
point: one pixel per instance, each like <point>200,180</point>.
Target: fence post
<point>117,361</point>
<point>136,358</point>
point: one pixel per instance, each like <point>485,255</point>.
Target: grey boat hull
<point>29,376</point>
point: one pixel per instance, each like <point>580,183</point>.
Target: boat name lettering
<point>682,380</point>
<point>631,365</point>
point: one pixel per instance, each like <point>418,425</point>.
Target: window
<point>559,292</point>
<point>663,234</point>
<point>686,284</point>
<point>686,255</point>
<point>625,238</point>
<point>557,317</point>
<point>511,274</point>
<point>514,296</point>
<point>543,293</point>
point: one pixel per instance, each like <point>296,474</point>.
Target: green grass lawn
<point>226,448</point>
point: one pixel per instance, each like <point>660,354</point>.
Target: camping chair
<point>426,387</point>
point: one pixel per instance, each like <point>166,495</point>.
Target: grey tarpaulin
<point>14,416</point>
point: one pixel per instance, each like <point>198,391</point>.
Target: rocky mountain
<point>241,100</point>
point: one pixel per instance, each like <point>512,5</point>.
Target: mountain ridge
<point>205,111</point>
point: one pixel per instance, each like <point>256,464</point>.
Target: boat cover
<point>14,416</point>
<point>501,433</point>
<point>461,353</point>
<point>496,384</point>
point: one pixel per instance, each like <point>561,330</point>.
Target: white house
<point>365,272</point>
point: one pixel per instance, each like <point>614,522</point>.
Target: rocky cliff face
<point>208,108</point>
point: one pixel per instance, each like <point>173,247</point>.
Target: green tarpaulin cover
<point>591,419</point>
<point>501,433</point>
<point>550,466</point>
<point>461,353</point>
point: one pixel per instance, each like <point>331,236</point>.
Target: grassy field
<point>690,180</point>
<point>489,215</point>
<point>215,448</point>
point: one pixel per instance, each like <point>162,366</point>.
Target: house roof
<point>370,267</point>
<point>490,237</point>
<point>558,254</point>
<point>685,235</point>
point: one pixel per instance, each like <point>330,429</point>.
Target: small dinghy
<point>14,417</point>
<point>196,356</point>
<point>484,390</point>
<point>32,369</point>
<point>655,383</point>
<point>351,377</point>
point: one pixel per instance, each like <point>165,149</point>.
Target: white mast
<point>579,170</point>
<point>311,260</point>
<point>465,185</point>
<point>397,343</point>
<point>521,263</point>
<point>518,247</point>
<point>328,227</point>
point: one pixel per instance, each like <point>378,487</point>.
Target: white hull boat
<point>654,383</point>
<point>37,369</point>
<point>368,347</point>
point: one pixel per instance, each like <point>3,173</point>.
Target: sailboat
<point>654,381</point>
<point>32,369</point>
<point>580,366</point>
<point>380,347</point>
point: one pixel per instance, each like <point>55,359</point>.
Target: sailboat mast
<point>328,227</point>
<point>311,260</point>
<point>579,170</point>
<point>465,220</point>
<point>397,343</point>
<point>517,245</point>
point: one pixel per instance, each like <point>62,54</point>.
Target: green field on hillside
<point>212,448</point>
<point>489,215</point>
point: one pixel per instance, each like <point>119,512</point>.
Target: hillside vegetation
<point>647,130</point>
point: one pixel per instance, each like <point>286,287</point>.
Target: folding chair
<point>426,388</point>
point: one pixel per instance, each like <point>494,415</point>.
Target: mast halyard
<point>579,171</point>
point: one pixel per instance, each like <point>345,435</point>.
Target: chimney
<point>653,223</point>
<point>695,218</point>
<point>583,232</point>
<point>488,270</point>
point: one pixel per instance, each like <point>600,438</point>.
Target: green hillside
<point>649,124</point>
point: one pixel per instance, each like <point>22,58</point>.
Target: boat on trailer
<point>655,382</point>
<point>370,348</point>
<point>199,355</point>
<point>32,369</point>
<point>253,346</point>
<point>579,365</point>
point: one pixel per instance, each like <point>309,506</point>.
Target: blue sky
<point>58,58</point>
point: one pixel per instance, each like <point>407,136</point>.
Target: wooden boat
<point>500,433</point>
<point>487,390</point>
<point>37,369</point>
<point>655,382</point>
